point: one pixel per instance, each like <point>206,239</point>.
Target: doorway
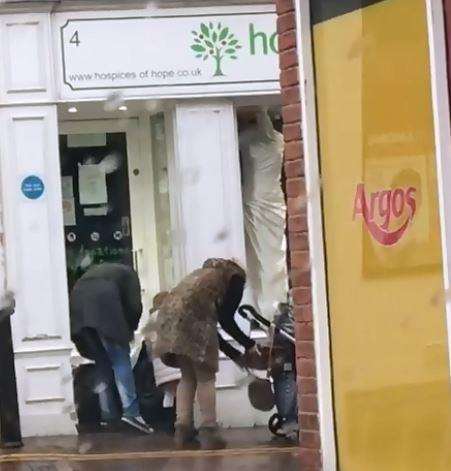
<point>109,216</point>
<point>97,219</point>
<point>145,183</point>
<point>108,199</point>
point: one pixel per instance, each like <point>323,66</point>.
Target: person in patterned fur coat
<point>187,338</point>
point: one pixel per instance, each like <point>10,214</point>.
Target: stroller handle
<point>246,311</point>
<point>247,307</point>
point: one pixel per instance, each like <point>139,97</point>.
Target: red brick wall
<point>298,251</point>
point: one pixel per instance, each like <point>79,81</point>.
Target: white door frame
<point>442,129</point>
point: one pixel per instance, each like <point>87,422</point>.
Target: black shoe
<point>210,438</point>
<point>185,435</point>
<point>137,423</point>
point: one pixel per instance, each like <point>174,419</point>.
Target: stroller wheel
<point>275,425</point>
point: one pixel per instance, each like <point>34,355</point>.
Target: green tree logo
<point>217,42</point>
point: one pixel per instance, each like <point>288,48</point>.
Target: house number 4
<point>75,39</point>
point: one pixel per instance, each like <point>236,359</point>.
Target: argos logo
<point>386,213</point>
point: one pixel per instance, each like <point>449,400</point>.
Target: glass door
<point>96,201</point>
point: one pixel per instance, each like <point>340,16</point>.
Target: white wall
<point>34,228</point>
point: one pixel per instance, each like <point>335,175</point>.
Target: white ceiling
<point>101,110</point>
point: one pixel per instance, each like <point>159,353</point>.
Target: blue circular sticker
<point>32,187</point>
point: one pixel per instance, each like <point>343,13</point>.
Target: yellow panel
<point>388,329</point>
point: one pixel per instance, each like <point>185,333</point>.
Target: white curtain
<point>264,215</point>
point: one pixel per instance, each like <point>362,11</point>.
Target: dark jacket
<point>8,309</point>
<point>188,318</point>
<point>107,298</point>
<point>226,318</point>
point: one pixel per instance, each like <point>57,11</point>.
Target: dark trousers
<point>285,390</point>
<point>10,435</point>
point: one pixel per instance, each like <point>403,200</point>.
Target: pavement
<point>247,449</point>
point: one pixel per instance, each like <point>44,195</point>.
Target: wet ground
<point>247,449</point>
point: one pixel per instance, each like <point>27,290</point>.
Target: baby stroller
<point>281,367</point>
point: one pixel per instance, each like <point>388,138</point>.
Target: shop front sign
<point>386,213</point>
<point>168,55</point>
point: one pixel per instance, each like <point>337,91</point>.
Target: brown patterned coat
<point>187,320</point>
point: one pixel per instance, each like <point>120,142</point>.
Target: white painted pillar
<point>34,234</point>
<point>206,185</point>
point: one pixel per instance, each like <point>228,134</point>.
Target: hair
<point>159,299</point>
<point>227,265</point>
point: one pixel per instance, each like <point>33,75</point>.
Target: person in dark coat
<point>105,309</point>
<point>187,338</point>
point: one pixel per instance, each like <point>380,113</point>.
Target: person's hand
<point>255,358</point>
<point>254,351</point>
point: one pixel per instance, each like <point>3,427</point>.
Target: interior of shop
<point>118,189</point>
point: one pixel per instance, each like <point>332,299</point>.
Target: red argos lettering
<point>384,209</point>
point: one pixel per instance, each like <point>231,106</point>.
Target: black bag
<point>86,400</point>
<point>150,396</point>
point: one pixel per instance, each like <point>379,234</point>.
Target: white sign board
<point>168,55</point>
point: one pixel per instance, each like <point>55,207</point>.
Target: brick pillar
<point>298,250</point>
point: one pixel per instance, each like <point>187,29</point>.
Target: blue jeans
<point>285,391</point>
<point>124,379</point>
